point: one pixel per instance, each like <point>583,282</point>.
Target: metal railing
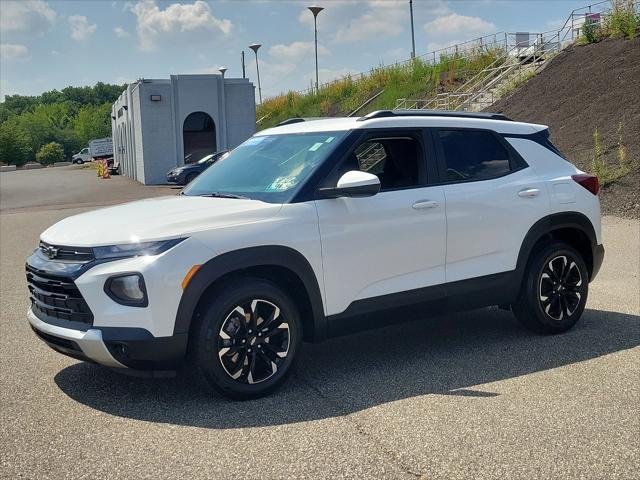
<point>520,54</point>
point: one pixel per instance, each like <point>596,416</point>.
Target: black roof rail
<point>289,121</point>
<point>433,113</point>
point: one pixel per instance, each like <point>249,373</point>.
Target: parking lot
<point>466,396</point>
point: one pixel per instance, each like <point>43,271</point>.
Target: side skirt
<point>375,312</point>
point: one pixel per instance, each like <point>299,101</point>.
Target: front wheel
<point>554,292</point>
<point>190,178</point>
<point>246,339</point>
<point>78,162</point>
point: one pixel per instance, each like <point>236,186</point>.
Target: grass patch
<point>416,79</point>
<point>516,82</point>
<point>609,172</point>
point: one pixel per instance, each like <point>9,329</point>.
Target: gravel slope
<point>584,88</point>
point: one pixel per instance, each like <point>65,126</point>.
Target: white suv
<point>317,228</point>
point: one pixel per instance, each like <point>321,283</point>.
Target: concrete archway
<point>198,136</point>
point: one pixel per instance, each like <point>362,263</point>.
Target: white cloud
<point>121,32</point>
<point>32,16</point>
<point>381,19</point>
<point>350,21</point>
<point>55,53</point>
<point>10,51</point>
<point>454,23</point>
<point>81,29</point>
<point>296,50</point>
<point>177,17</point>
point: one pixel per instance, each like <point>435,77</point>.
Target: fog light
<point>128,289</point>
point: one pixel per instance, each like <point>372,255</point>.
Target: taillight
<point>590,182</point>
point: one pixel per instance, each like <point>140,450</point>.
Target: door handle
<point>423,204</point>
<point>529,193</point>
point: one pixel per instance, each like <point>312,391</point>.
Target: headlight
<point>127,289</point>
<point>135,249</point>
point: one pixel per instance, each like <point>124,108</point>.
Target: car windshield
<point>266,167</point>
<point>206,159</point>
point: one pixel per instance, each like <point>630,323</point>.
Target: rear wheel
<point>246,339</point>
<point>554,293</point>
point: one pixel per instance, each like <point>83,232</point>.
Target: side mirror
<point>353,184</point>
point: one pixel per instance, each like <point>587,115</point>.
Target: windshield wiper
<point>223,195</point>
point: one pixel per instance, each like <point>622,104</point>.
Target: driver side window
<point>394,160</point>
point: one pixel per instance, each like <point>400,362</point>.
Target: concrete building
<point>160,124</point>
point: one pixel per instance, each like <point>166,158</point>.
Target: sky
<point>47,45</point>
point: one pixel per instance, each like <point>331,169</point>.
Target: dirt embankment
<point>584,88</point>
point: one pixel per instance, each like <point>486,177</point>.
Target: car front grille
<point>67,254</point>
<point>57,297</point>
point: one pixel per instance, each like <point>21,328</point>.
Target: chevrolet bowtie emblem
<point>50,251</point>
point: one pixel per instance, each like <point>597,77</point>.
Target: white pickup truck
<point>98,149</point>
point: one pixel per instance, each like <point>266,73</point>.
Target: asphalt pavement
<point>464,396</point>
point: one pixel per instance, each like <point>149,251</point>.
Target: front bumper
<point>122,348</point>
<point>83,345</point>
<point>175,178</point>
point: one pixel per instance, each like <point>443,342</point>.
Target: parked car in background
<point>186,173</point>
<point>98,149</point>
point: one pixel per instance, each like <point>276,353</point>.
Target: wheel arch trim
<point>237,260</point>
<point>546,226</point>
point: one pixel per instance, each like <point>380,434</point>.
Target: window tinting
<point>473,155</point>
<point>394,160</point>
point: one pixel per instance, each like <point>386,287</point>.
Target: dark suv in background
<point>186,173</point>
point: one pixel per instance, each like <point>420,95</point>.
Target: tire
<point>190,178</point>
<point>554,291</point>
<point>78,162</point>
<point>231,352</point>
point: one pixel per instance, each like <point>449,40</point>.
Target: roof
<point>404,119</point>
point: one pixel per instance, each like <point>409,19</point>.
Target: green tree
<point>93,122</point>
<point>15,144</point>
<point>50,153</point>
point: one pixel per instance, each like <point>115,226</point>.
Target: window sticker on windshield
<point>329,140</point>
<point>281,184</point>
<point>315,146</point>
<point>255,140</point>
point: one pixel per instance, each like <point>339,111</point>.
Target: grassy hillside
<point>417,79</point>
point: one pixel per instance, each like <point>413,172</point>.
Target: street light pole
<point>255,47</point>
<point>413,38</point>
<point>316,10</point>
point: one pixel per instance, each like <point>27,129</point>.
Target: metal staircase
<point>521,55</point>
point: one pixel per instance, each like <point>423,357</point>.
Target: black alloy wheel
<point>246,338</point>
<point>554,291</point>
<point>253,341</point>
<point>561,287</point>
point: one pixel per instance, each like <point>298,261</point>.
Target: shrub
<point>623,20</point>
<point>608,173</point>
<point>590,31</point>
<point>15,144</point>
<point>50,153</point>
<point>621,149</point>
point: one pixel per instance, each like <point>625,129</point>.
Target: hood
<point>184,168</point>
<point>155,219</point>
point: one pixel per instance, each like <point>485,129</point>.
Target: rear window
<point>473,155</point>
